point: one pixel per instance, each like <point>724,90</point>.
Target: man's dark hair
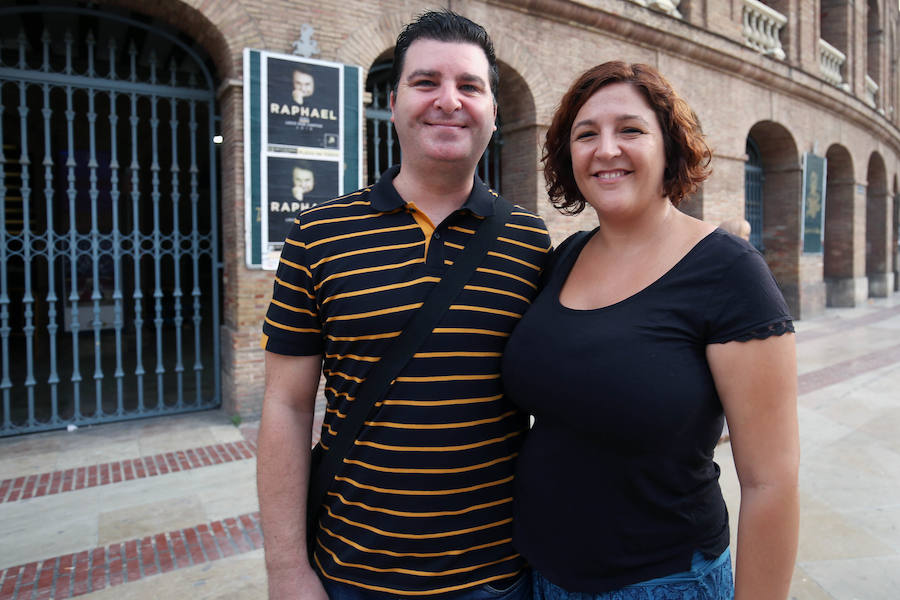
<point>444,26</point>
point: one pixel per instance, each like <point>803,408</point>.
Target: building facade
<point>124,285</point>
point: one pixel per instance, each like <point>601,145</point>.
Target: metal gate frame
<point>753,193</point>
<point>54,246</point>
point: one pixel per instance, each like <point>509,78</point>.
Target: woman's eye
<point>632,131</point>
<point>583,134</point>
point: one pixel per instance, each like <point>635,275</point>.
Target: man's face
<point>304,83</point>
<point>443,109</point>
<point>304,180</point>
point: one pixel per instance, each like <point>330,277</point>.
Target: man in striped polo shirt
<point>422,505</point>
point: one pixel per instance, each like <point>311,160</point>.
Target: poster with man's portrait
<point>303,105</point>
<point>295,185</point>
<point>814,170</point>
<point>303,120</point>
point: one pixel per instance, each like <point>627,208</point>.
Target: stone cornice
<point>679,38</point>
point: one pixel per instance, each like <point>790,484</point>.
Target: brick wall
<point>734,91</point>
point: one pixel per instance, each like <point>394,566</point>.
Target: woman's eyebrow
<point>619,119</point>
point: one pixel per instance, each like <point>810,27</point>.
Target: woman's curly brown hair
<point>687,155</point>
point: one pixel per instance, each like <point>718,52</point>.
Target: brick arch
<point>878,226</point>
<point>843,268</point>
<point>518,59</point>
<point>373,42</point>
<point>220,39</point>
<point>781,207</point>
<point>521,139</point>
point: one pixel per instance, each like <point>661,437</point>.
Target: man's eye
<point>423,83</point>
<point>469,88</point>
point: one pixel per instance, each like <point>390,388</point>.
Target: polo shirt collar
<point>385,198</point>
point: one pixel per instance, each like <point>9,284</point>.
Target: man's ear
<point>495,116</point>
<point>393,97</point>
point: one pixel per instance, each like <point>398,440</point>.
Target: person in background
<point>648,328</point>
<point>738,227</point>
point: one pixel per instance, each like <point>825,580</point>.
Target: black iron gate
<point>109,251</point>
<point>753,194</point>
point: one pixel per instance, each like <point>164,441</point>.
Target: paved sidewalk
<point>166,507</point>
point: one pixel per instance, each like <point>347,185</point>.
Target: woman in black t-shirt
<point>648,329</point>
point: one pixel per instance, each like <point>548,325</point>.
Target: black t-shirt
<point>616,482</point>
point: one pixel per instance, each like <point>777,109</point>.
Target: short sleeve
<point>749,304</point>
<point>292,325</point>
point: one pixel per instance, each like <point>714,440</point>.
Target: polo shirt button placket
<point>436,253</point>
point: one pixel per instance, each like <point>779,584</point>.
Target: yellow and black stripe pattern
<point>423,505</point>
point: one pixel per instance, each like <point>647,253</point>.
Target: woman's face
<point>618,153</point>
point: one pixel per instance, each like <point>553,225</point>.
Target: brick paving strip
<point>125,562</point>
<point>57,482</point>
<point>822,378</point>
<point>839,325</point>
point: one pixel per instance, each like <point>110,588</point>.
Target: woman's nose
<point>607,146</point>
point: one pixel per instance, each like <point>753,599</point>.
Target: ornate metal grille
<point>109,298</point>
<point>382,148</point>
<point>753,190</point>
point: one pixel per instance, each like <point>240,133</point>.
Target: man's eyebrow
<point>472,78</point>
<point>421,73</point>
<point>468,77</point>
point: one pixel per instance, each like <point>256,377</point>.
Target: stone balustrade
<point>871,92</point>
<point>762,27</point>
<point>831,60</point>
<point>669,7</point>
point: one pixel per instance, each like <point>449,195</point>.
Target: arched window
<point>873,41</point>
<point>382,147</point>
<point>753,187</point>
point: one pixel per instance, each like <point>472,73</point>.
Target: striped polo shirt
<point>422,506</point>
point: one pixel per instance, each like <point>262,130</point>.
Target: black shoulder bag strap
<point>383,373</point>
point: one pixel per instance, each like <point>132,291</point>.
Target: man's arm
<point>757,383</point>
<point>282,473</point>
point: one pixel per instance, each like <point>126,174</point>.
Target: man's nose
<point>447,98</point>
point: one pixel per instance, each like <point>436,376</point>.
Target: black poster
<point>303,102</point>
<point>295,185</point>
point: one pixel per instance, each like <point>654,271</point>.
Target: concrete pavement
<point>166,507</point>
